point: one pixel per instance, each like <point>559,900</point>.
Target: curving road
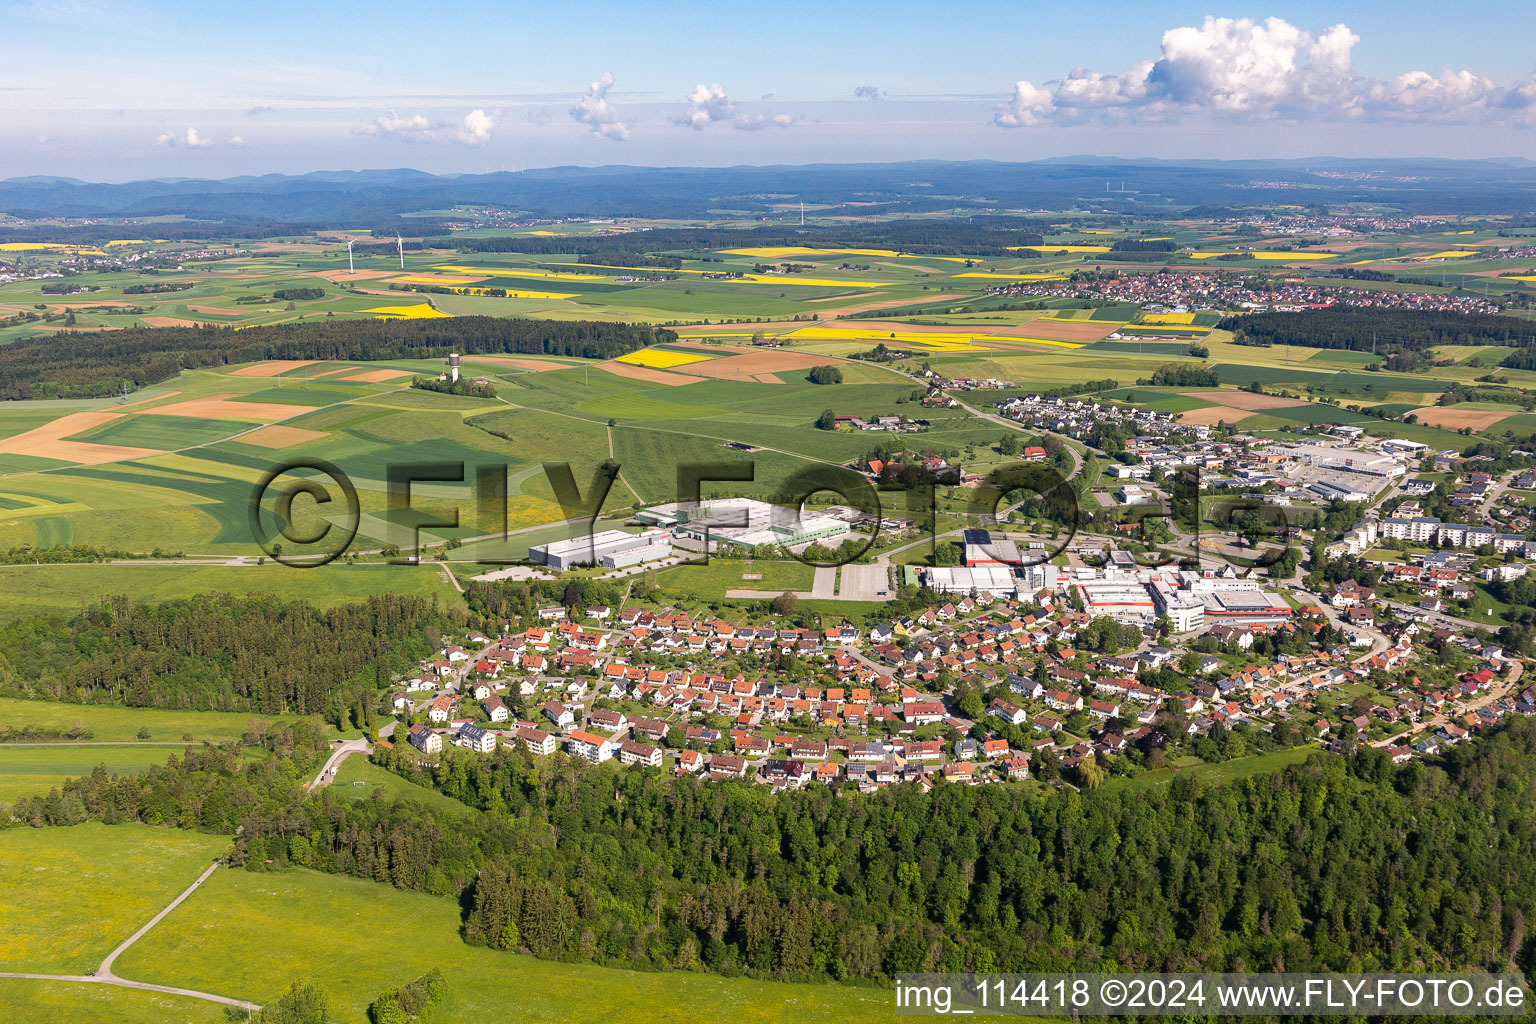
<point>340,754</point>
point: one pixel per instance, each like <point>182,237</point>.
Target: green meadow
<point>237,936</point>
<point>74,893</point>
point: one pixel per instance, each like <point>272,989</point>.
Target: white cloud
<point>1239,69</point>
<point>708,104</point>
<point>191,139</point>
<point>415,128</point>
<point>236,140</point>
<point>753,122</point>
<point>705,104</point>
<point>474,128</point>
<point>1027,107</point>
<point>594,111</point>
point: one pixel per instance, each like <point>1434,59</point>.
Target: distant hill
<point>1141,187</point>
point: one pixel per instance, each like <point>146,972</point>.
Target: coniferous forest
<point>68,365</point>
<point>221,653</point>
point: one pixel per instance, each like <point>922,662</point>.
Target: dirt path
<point>104,976</point>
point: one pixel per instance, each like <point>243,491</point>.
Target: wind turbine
<point>400,245</point>
<point>351,269</point>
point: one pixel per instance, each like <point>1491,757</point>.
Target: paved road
<point>340,754</point>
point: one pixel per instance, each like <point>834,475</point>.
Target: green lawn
<point>72,894</point>
<point>247,935</point>
<point>722,574</point>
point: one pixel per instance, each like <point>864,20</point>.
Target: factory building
<point>611,549</point>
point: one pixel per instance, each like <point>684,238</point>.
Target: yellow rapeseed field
<point>554,275</point>
<point>1050,247</point>
<point>782,251</point>
<point>804,282</point>
<point>1265,255</point>
<point>659,359</point>
<point>1168,318</point>
<point>421,312</point>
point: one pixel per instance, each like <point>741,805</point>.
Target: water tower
<point>453,366</point>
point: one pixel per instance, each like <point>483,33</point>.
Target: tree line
<point>97,365</point>
<point>1371,329</point>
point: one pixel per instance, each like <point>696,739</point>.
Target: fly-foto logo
<point>308,513</point>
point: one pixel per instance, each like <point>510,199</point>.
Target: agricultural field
<point>33,589</point>
<point>752,323</point>
<point>122,725</point>
<point>34,770</point>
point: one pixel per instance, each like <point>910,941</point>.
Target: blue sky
<point>116,89</point>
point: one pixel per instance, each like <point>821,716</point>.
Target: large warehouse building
<point>612,549</point>
<point>744,522</point>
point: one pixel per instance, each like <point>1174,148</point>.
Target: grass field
<point>72,894</point>
<point>63,1003</point>
<point>1224,771</point>
<point>721,574</point>
<point>30,589</point>
<point>236,936</point>
<point>357,779</point>
<point>122,725</point>
<point>33,771</point>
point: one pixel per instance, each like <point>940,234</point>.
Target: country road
<point>103,975</point>
<point>340,754</point>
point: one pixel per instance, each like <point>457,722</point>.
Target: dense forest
<point>70,365</point>
<point>222,653</point>
<point>1186,376</point>
<point>1345,863</point>
<point>1372,330</point>
<point>974,236</point>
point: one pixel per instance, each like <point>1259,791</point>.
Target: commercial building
<point>610,548</point>
<point>1329,491</point>
<point>1354,460</point>
<point>984,548</point>
<point>1185,610</point>
<point>1123,598</point>
<point>744,522</point>
<point>995,579</point>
